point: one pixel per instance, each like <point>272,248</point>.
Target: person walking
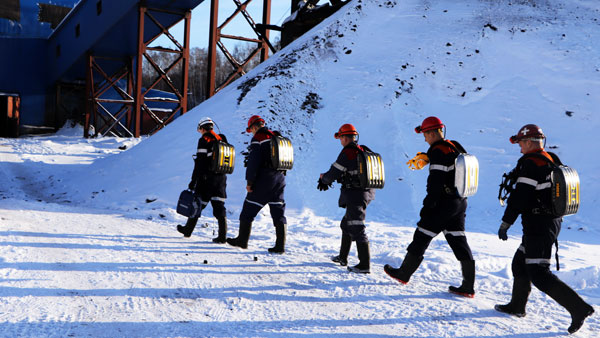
<point>443,211</point>
<point>264,185</point>
<point>352,197</point>
<point>531,199</point>
<point>209,186</point>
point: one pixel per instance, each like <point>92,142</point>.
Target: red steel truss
<point>133,117</point>
<point>262,42</point>
<point>104,121</point>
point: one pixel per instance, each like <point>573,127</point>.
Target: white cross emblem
<point>525,131</point>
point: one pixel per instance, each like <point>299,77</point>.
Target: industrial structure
<point>83,60</point>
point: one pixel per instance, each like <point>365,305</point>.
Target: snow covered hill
<point>485,68</point>
<point>89,247</point>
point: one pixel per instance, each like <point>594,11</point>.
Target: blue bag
<point>188,204</point>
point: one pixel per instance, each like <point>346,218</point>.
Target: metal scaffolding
<point>129,115</point>
<point>263,45</point>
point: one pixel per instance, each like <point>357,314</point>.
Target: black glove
<point>192,186</point>
<point>503,230</point>
<point>322,186</point>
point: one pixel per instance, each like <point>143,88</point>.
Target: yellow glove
<point>418,162</point>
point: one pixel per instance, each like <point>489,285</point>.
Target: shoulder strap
<point>360,148</point>
<point>212,136</point>
<point>363,147</point>
<point>265,130</point>
<point>555,158</point>
<point>455,146</point>
<point>273,133</point>
<point>542,157</point>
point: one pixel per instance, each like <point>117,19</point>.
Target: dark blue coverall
<point>354,199</point>
<point>531,264</point>
<point>267,183</point>
<point>443,210</point>
<point>210,187</point>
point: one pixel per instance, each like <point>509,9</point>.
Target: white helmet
<point>205,121</point>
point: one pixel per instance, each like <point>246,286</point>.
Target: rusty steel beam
<point>129,119</point>
<point>139,100</point>
<point>114,101</point>
<point>186,62</point>
<point>246,15</point>
<point>183,49</point>
<point>162,75</point>
<point>89,110</point>
<point>241,38</point>
<point>164,30</point>
<point>215,36</point>
<point>163,50</point>
<point>130,90</point>
<point>240,7</point>
<point>96,112</point>
<point>239,70</point>
<point>115,121</point>
<point>266,20</point>
<point>111,80</point>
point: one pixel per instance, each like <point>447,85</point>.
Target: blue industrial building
<point>54,53</point>
<point>23,66</point>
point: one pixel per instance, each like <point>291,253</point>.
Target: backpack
<point>466,171</point>
<point>371,171</point>
<point>565,186</point>
<point>282,152</point>
<point>223,157</point>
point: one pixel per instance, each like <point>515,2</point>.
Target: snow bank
<point>485,68</point>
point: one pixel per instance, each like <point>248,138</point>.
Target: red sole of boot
<point>468,295</point>
<point>399,280</point>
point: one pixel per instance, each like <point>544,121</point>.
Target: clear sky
<point>280,9</point>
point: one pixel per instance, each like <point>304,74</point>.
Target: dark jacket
<point>344,170</point>
<point>258,164</point>
<point>531,197</point>
<point>202,177</point>
<point>440,182</point>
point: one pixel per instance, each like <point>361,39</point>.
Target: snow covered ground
<point>88,246</point>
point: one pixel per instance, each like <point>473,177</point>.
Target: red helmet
<point>429,123</point>
<point>252,120</point>
<point>346,129</point>
<point>528,131</point>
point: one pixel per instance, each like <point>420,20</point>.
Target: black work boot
<point>280,232</point>
<point>409,266</point>
<point>189,227</point>
<point>244,234</point>
<point>570,300</point>
<point>364,255</point>
<point>222,238</point>
<point>520,293</point>
<point>467,287</point>
<point>578,318</point>
<point>342,258</point>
